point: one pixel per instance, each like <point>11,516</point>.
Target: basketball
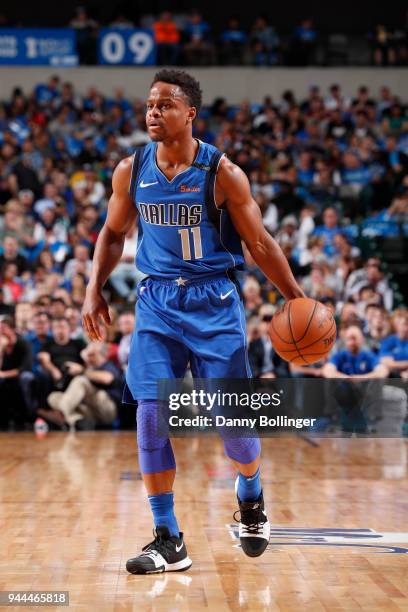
<point>303,331</point>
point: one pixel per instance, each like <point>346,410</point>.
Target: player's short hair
<point>187,83</point>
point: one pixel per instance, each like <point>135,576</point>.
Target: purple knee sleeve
<point>155,451</point>
<point>243,450</point>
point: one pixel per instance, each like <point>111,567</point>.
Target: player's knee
<point>242,450</point>
<point>152,425</point>
<point>155,451</point>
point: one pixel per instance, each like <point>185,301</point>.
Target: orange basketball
<point>303,331</point>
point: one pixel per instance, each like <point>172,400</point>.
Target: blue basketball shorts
<point>201,323</point>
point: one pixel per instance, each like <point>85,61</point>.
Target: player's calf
<point>254,528</point>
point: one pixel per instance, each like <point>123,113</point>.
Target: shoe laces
<point>160,545</point>
<point>251,519</point>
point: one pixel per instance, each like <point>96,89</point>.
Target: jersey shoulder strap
<point>137,164</point>
<point>212,210</point>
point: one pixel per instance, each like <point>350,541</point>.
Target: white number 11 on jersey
<point>185,243</point>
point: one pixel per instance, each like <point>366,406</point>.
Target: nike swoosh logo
<point>178,548</point>
<point>223,296</point>
<point>143,184</point>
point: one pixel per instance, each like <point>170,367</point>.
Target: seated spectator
<point>336,99</point>
<point>126,325</point>
<point>88,190</point>
<point>47,262</point>
<point>328,230</point>
<point>360,400</point>
<point>354,175</point>
<point>73,316</point>
<point>23,317</point>
<point>198,48</point>
<point>233,42</point>
<point>260,351</point>
<point>269,211</point>
<point>62,126</point>
<point>264,43</point>
<point>5,309</point>
<point>17,224</point>
<point>382,47</point>
<point>126,276</point>
<point>57,307</point>
<point>395,120</point>
<point>354,361</point>
<point>131,136</point>
<point>252,295</point>
<point>60,355</point>
<point>167,39</point>
<point>304,166</point>
<point>202,132</point>
<point>304,42</point>
<point>49,199</point>
<point>288,231</point>
<point>80,264</point>
<point>395,159</point>
<point>39,335</point>
<point>50,232</point>
<point>339,126</point>
<point>88,224</point>
<point>378,326</point>
<point>367,296</point>
<point>314,251</point>
<point>11,255</point>
<point>344,247</point>
<point>15,376</point>
<point>47,92</point>
<point>11,284</point>
<point>343,268</point>
<point>373,277</point>
<point>394,349</point>
<point>320,282</point>
<point>349,315</point>
<point>86,29</point>
<point>93,394</point>
<point>77,288</point>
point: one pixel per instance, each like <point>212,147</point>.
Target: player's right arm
<point>108,249</point>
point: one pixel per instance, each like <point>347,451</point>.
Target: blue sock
<point>249,487</point>
<point>162,506</point>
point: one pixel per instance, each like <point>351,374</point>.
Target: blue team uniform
<point>394,347</point>
<point>189,308</point>
<point>363,362</point>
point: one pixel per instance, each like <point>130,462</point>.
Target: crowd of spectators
<point>330,174</point>
<point>190,39</point>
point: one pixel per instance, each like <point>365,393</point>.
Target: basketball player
<point>194,207</point>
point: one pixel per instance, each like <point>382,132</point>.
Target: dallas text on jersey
<point>171,214</point>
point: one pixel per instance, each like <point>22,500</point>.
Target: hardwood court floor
<point>73,510</point>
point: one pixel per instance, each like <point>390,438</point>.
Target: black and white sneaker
<point>165,554</point>
<point>254,528</point>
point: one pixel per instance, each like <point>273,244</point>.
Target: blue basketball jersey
<point>181,230</point>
